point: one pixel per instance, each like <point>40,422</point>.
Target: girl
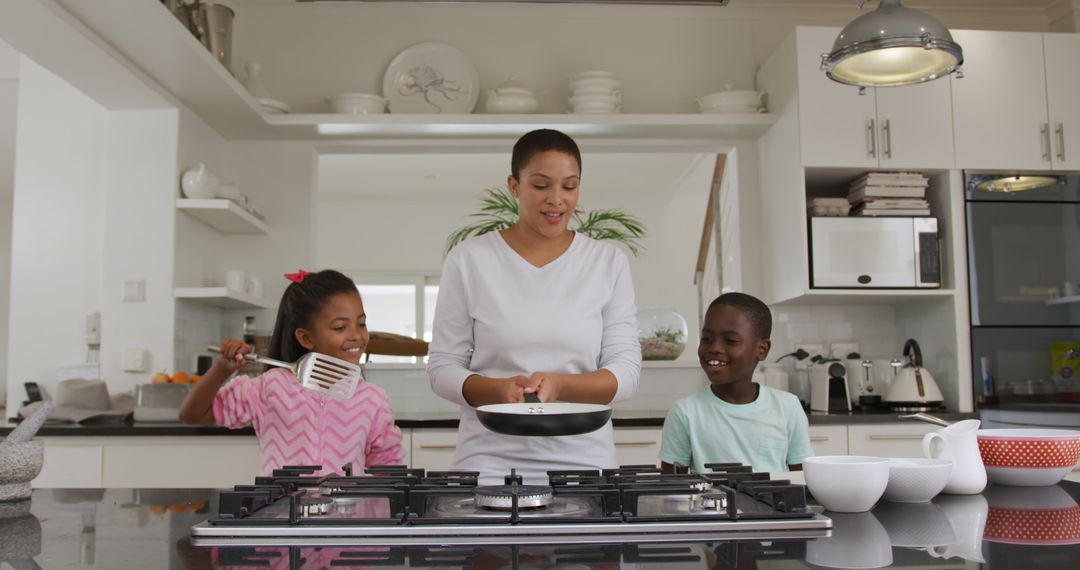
<point>535,308</point>
<point>320,312</point>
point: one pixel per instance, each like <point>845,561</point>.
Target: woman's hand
<point>548,385</point>
<point>482,390</point>
<point>232,355</point>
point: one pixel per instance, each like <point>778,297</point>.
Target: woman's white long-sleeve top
<point>498,315</point>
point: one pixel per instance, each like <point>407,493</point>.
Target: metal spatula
<point>319,372</point>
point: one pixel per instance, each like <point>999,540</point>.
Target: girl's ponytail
<point>303,298</point>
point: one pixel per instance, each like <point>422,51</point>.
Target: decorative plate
<point>431,78</point>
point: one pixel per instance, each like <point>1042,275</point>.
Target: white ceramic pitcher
<point>959,444</point>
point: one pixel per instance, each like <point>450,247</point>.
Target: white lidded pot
<point>199,183</point>
<point>511,97</point>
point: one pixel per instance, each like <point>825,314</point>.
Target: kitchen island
<point>1004,527</point>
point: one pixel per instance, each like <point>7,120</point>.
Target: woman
<point>535,308</point>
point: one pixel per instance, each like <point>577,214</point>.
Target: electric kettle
<point>914,388</point>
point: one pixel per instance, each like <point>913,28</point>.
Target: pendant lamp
<point>892,46</point>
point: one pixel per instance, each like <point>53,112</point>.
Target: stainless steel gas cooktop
<point>397,505</point>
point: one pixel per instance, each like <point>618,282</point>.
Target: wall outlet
<point>814,348</point>
<point>841,349</point>
<point>134,291</point>
<point>136,360</point>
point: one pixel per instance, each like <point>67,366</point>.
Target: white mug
<point>255,287</point>
<point>234,280</point>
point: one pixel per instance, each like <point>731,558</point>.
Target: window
<point>399,304</point>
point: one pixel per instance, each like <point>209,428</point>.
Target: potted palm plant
<point>499,210</point>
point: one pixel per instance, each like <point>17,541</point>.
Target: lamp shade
<point>892,46</point>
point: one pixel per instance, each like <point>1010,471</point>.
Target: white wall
<point>138,241</point>
<point>392,213</point>
<point>59,183</point>
<point>666,55</point>
<point>9,95</point>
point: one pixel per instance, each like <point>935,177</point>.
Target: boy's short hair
<point>758,312</point>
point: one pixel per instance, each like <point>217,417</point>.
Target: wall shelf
<point>223,215</point>
<point>220,297</point>
<point>1064,300</point>
<point>170,56</point>
<point>817,297</point>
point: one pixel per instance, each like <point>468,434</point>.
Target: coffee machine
<point>829,387</point>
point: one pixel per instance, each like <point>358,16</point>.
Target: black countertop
<point>1005,527</point>
<point>422,420</point>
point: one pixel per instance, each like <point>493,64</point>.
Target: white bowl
<point>732,98</point>
<point>745,109</point>
<point>595,85</point>
<point>846,483</point>
<point>594,74</point>
<point>594,99</point>
<point>916,480</point>
<point>857,541</point>
<point>915,525</point>
<point>357,103</point>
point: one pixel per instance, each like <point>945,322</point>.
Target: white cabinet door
<point>999,106</point>
<point>69,464</point>
<point>837,125</point>
<point>829,440</point>
<point>887,440</point>
<point>637,446</point>
<point>915,126</point>
<point>433,448</point>
<point>217,462</point>
<point>1063,96</point>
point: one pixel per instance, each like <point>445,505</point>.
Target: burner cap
<point>315,506</point>
<point>500,497</point>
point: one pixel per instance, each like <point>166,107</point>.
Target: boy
<point>734,419</point>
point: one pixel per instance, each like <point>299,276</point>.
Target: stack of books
<point>889,194</point>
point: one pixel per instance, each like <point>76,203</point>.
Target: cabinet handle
<point>871,139</point>
<point>886,145</point>
<point>438,447</point>
<point>634,443</point>
<point>1060,130</point>
<point>1044,140</point>
<point>814,438</point>
<point>895,437</point>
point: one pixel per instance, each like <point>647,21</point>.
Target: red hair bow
<point>297,277</point>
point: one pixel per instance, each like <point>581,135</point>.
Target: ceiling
<point>971,4</point>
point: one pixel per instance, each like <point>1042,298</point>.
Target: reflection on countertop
<point>1004,527</point>
<point>432,420</point>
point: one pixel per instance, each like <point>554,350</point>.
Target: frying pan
<point>537,418</point>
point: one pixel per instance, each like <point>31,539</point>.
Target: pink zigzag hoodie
<point>297,426</point>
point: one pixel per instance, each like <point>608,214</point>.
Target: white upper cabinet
<point>1000,105</point>
<point>1063,97</point>
<point>891,127</point>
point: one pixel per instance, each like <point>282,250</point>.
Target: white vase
<point>253,81</point>
<point>199,183</point>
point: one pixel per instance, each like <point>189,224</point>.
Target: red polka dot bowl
<point>1031,515</point>
<point>1028,457</point>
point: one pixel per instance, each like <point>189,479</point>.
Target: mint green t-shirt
<point>769,433</point>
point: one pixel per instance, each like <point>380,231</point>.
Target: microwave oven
<point>874,252</point>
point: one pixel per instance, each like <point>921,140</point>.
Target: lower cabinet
<point>888,440</point>
<point>637,446</point>
<point>829,440</point>
<point>434,448</point>
<point>148,461</point>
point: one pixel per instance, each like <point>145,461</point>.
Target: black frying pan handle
<point>912,347</point>
<point>532,398</point>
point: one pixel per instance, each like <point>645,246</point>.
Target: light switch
<point>134,291</point>
<point>136,360</point>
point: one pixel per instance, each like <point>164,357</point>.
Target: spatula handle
<point>257,358</point>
